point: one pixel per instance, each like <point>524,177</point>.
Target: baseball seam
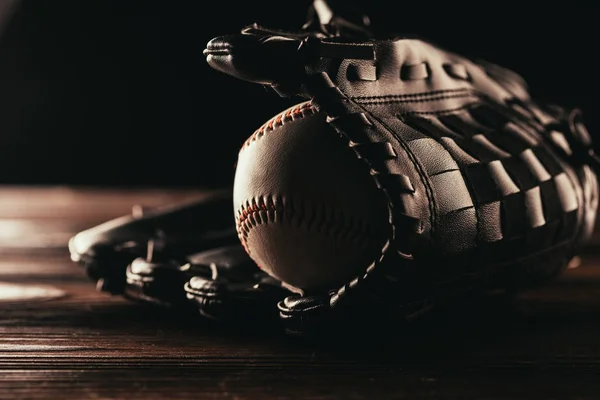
<point>316,218</point>
<point>293,113</point>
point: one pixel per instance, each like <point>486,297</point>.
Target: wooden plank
<point>86,344</point>
<point>59,202</point>
<point>34,219</point>
<point>98,345</point>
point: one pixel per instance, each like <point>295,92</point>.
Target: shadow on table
<point>507,330</point>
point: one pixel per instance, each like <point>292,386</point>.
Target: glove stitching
<point>354,283</point>
<point>416,165</point>
<point>441,112</point>
<point>384,101</point>
<point>413,95</point>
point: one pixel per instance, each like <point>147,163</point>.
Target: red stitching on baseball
<point>345,227</point>
<point>291,114</point>
<point>252,209</point>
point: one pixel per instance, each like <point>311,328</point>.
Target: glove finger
<point>155,282</point>
<point>226,285</point>
<point>107,249</point>
<point>256,56</point>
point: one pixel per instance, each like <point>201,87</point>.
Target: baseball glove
<point>174,231</point>
<point>486,187</point>
<point>223,284</point>
<point>186,257</point>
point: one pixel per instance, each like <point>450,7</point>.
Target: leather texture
<point>175,231</point>
<point>488,187</point>
<point>223,284</point>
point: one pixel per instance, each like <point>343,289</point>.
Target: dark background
<point>118,92</point>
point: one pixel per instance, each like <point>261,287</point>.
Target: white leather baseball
<point>307,210</point>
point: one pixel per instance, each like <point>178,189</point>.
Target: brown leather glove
<point>485,186</point>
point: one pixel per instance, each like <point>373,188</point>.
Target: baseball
<point>307,209</point>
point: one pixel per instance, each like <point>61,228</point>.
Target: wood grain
<point>543,345</point>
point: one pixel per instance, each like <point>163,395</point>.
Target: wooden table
<point>61,339</point>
